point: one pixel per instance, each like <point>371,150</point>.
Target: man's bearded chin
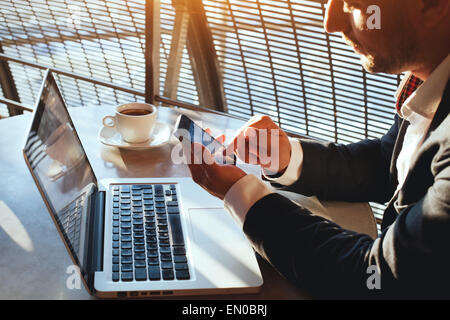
<point>379,64</point>
<point>396,62</point>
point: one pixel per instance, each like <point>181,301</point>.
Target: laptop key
<point>152,253</point>
<point>126,238</point>
<point>139,248</point>
<point>126,259</point>
<point>138,216</point>
<point>125,188</point>
<point>139,241</point>
<point>139,263</point>
<point>182,275</point>
<point>115,276</point>
<point>179,250</point>
<point>126,252</point>
<point>139,256</point>
<point>140,274</point>
<point>125,212</point>
<point>153,261</point>
<point>168,274</point>
<point>166,265</point>
<point>127,276</point>
<point>159,190</point>
<point>164,249</point>
<point>176,231</point>
<point>173,210</point>
<point>125,231</point>
<point>127,267</point>
<point>181,266</point>
<point>160,205</point>
<point>126,245</point>
<point>166,257</point>
<point>154,273</point>
<point>179,259</point>
<point>125,206</point>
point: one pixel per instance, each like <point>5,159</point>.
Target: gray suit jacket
<point>412,255</point>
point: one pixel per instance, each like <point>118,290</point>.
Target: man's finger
<point>257,122</point>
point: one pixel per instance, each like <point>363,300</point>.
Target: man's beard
<point>401,55</point>
<point>397,61</point>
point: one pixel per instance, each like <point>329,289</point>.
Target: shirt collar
<point>423,98</point>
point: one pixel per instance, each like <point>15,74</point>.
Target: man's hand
<point>215,178</point>
<point>261,141</point>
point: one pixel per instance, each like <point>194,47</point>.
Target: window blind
<point>278,60</point>
<point>275,59</point>
<point>102,39</point>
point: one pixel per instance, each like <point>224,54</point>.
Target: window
<point>274,56</point>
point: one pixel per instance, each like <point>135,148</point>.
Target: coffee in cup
<point>134,121</point>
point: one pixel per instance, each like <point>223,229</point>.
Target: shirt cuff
<point>292,172</point>
<point>243,195</point>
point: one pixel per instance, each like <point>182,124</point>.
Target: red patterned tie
<point>410,86</point>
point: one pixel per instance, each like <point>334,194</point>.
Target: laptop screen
<point>61,169</point>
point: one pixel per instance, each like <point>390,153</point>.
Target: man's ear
<point>433,11</point>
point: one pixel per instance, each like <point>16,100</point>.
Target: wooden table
<point>34,262</point>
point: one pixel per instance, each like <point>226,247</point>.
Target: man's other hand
<point>215,178</point>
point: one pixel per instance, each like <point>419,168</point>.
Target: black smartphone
<point>186,128</point>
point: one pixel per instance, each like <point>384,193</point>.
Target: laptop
<point>133,237</point>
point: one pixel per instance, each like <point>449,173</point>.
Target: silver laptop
<point>133,237</point>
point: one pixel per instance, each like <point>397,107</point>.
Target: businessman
<point>409,168</point>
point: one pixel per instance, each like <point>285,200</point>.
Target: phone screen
<point>186,128</point>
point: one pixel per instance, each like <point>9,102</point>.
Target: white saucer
<point>161,135</point>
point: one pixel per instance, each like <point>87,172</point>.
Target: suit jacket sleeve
<point>411,256</point>
<point>356,172</point>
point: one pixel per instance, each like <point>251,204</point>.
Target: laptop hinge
<point>96,236</point>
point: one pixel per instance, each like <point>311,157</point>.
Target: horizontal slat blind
<point>277,60</point>
<point>102,39</point>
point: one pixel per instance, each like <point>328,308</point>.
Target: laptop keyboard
<point>69,219</point>
<point>148,242</point>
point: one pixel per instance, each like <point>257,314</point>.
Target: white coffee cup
<point>134,121</point>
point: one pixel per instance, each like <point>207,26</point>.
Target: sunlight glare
<point>14,228</point>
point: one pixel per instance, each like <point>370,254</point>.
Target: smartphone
<point>186,128</point>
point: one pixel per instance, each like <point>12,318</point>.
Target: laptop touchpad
<point>214,226</point>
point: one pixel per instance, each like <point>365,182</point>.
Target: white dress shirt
<point>418,109</point>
